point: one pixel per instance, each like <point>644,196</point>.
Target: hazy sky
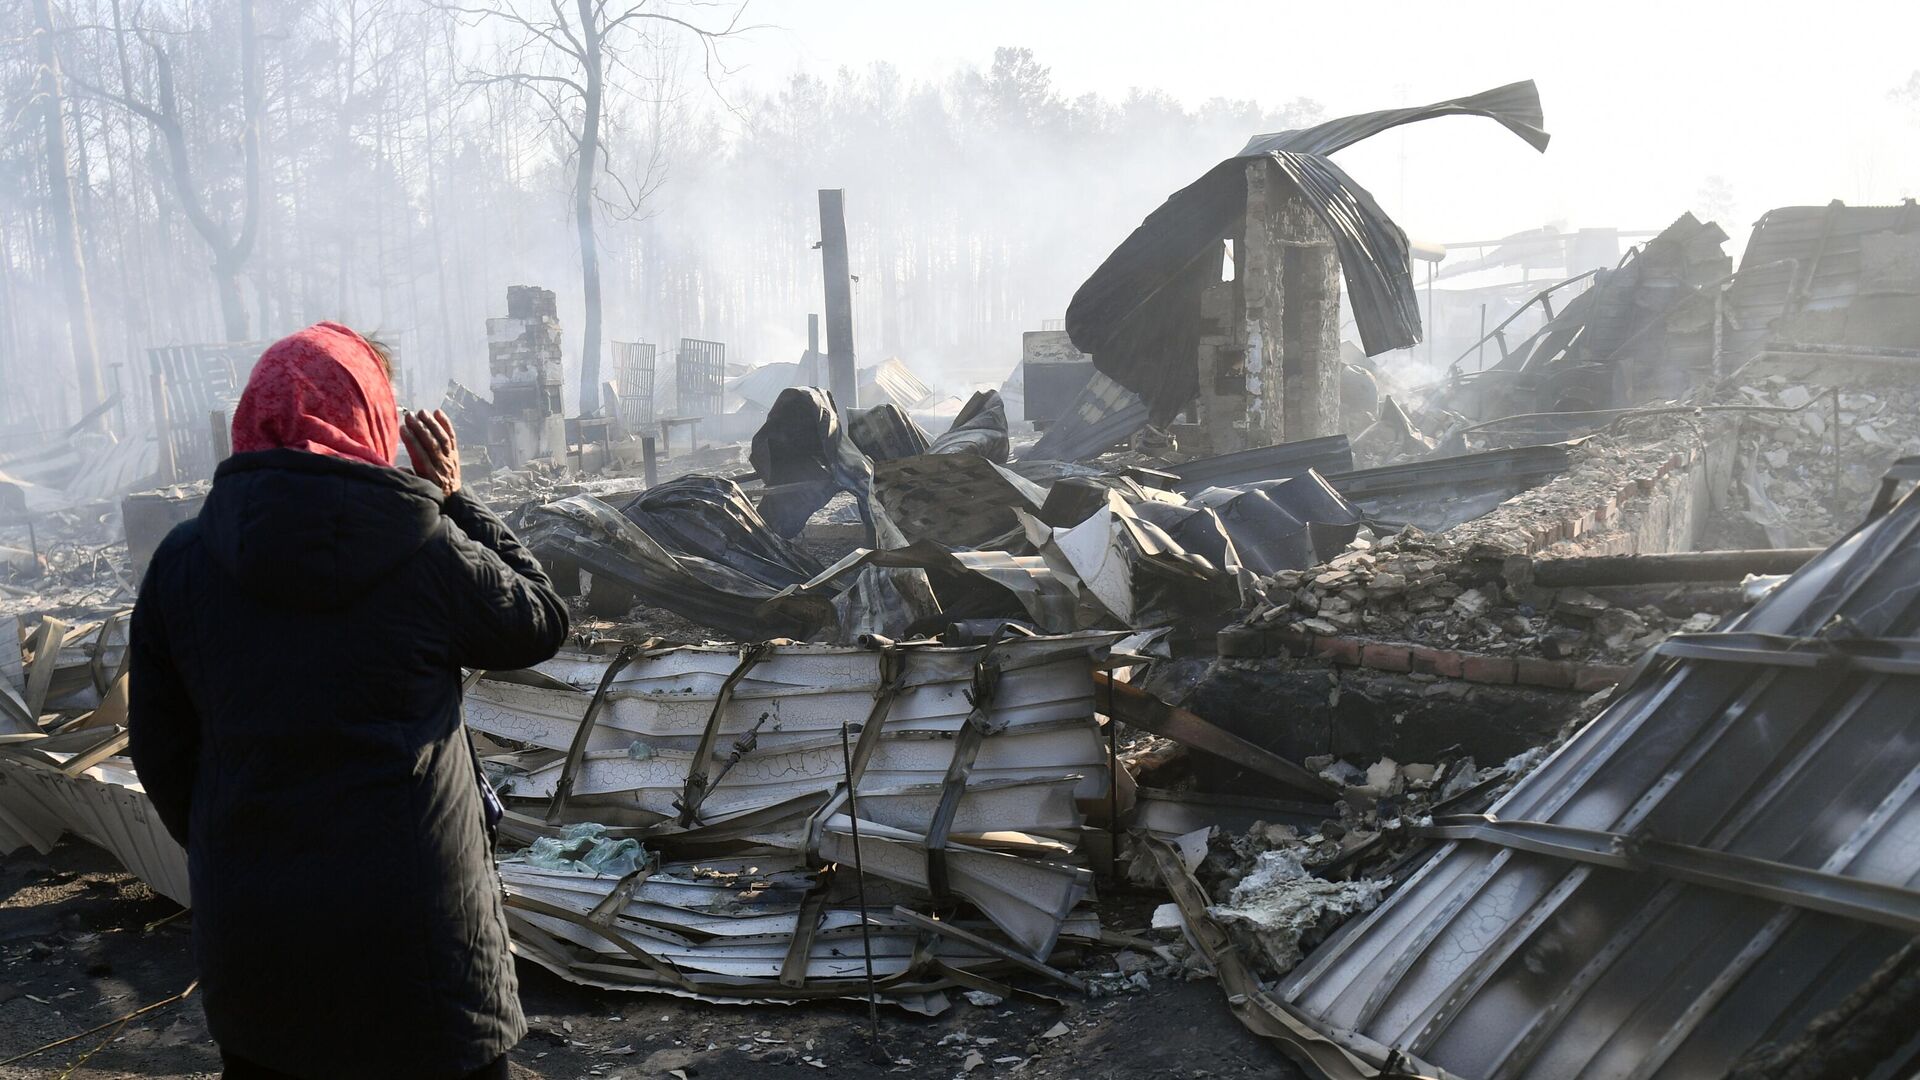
<point>1788,101</point>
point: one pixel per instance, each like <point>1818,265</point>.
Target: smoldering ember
<point>1051,594</point>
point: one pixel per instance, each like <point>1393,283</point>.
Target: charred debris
<point>1541,720</point>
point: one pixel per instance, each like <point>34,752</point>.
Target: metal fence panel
<point>699,377</point>
<point>633,366</point>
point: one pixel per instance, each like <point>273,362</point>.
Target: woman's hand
<point>433,448</point>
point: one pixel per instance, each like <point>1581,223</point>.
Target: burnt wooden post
<point>833,262</point>
<point>650,459</point>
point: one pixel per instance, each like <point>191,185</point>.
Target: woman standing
<point>295,718</point>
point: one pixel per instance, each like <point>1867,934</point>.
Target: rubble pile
<point>73,562</point>
<point>1615,465</point>
<point>1788,479</point>
<point>1413,588</point>
<point>1278,889</point>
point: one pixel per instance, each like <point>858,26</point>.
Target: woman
<point>295,717</point>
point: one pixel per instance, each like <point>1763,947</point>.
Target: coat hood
<point>311,531</point>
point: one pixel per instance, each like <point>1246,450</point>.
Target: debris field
<point>1210,683</point>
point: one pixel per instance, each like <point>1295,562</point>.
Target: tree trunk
<point>229,254</point>
<point>233,306</point>
<point>583,213</point>
<point>73,264</point>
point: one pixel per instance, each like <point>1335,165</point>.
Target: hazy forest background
<point>240,168</point>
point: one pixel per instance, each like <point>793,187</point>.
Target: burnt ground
<point>79,948</point>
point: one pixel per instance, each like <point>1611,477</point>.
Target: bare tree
<point>229,242</point>
<point>68,251</point>
<point>562,56</point>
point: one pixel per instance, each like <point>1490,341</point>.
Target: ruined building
<point>523,364</point>
<point>1223,307</point>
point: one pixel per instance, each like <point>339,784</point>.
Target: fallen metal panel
<point>1283,524</point>
<point>967,584</point>
<point>892,382</point>
<point>1103,415</point>
<point>1438,493</point>
<point>980,428</point>
<point>1764,812</point>
<point>1328,455</point>
<point>723,589</point>
<point>884,433</point>
<point>1130,568</point>
<point>707,517</point>
<point>104,805</point>
<point>804,455</point>
<point>1029,899</point>
<point>759,387</point>
<point>972,770</point>
<point>960,500</point>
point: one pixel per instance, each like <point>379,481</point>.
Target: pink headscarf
<point>324,391</point>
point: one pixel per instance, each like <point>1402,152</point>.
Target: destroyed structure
<point>523,367</point>
<point>1540,721</point>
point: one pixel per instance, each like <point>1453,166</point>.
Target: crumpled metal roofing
<point>891,381</point>
<point>1103,414</point>
<point>1718,858</point>
<point>971,768</point>
<point>693,545</point>
<point>77,782</point>
<point>1328,455</point>
<point>1114,314</point>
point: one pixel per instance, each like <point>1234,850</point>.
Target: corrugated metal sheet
<point>1103,415</point>
<point>1723,854</point>
<point>43,797</point>
<point>1120,315</point>
<point>892,381</point>
<point>1328,455</point>
<point>990,746</point>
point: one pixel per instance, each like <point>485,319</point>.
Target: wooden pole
<point>833,261</point>
<point>163,432</point>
